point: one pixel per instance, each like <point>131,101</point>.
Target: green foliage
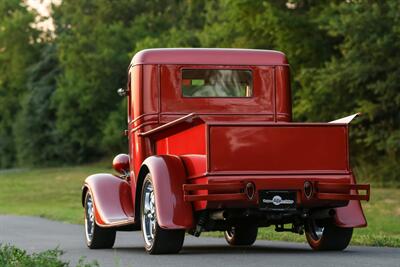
<point>95,43</point>
<point>58,94</point>
<point>113,131</point>
<point>11,256</point>
<point>18,49</point>
<point>35,124</point>
<point>93,49</point>
<point>363,77</point>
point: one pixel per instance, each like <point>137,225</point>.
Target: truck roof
<point>209,56</point>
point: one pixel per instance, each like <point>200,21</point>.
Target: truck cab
<point>212,147</point>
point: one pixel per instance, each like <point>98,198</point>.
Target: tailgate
<point>278,147</point>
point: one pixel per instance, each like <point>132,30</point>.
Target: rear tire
<point>96,237</point>
<point>156,239</point>
<point>242,234</point>
<point>325,235</point>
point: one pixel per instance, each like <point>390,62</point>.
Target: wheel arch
<point>112,199</point>
<point>85,188</point>
<point>144,170</point>
<point>168,176</point>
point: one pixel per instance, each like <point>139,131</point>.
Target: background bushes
<point>58,101</point>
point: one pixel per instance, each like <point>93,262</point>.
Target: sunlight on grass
<point>53,193</point>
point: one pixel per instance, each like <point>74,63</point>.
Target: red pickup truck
<point>212,147</point>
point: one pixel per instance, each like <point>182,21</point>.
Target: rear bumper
<point>211,193</point>
<point>333,191</point>
<point>215,192</point>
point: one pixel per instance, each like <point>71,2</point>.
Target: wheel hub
<point>148,213</point>
<point>89,218</point>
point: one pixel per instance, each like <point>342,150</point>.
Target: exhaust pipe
<point>218,215</point>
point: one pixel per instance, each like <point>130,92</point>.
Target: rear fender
<point>168,175</point>
<point>352,215</point>
<point>112,199</point>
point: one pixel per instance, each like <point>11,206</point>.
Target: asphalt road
<point>37,234</point>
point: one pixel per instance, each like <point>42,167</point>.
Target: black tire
<point>325,235</point>
<point>242,234</point>
<point>96,237</point>
<point>156,239</point>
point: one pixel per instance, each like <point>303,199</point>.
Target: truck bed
<point>236,148</point>
<point>277,148</point>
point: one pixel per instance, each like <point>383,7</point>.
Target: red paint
<point>201,152</point>
<point>172,144</point>
<point>168,175</point>
<point>214,56</point>
<point>196,165</point>
<point>277,147</point>
<point>277,181</point>
<point>283,97</point>
<point>112,198</point>
<point>352,215</point>
<point>121,163</point>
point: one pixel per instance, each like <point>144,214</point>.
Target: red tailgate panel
<point>275,147</point>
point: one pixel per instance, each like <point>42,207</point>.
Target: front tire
<point>156,239</point>
<point>242,234</point>
<point>325,235</point>
<point>96,237</point>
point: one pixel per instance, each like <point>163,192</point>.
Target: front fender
<point>112,199</point>
<point>168,175</point>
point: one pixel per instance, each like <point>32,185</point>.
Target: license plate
<point>277,200</point>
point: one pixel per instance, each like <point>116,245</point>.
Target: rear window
<point>216,83</point>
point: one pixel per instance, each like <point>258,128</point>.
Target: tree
<point>37,141</point>
<point>93,49</point>
<point>342,54</point>
<point>96,40</point>
<point>290,27</point>
<point>18,49</point>
<point>363,76</point>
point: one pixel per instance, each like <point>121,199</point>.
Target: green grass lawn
<point>55,193</point>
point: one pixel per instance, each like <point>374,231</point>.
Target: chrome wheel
<point>89,218</point>
<point>230,233</point>
<point>96,236</point>
<point>157,240</point>
<point>148,212</point>
<point>316,231</point>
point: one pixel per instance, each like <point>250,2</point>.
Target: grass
<point>52,193</point>
<point>55,193</point>
<point>11,256</point>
